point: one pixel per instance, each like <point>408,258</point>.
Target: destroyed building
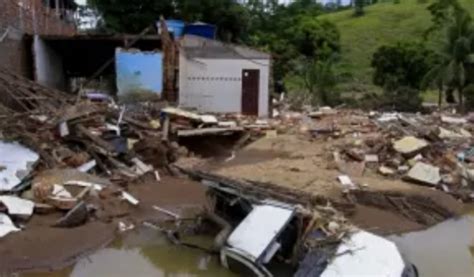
<point>188,70</point>
<point>22,18</point>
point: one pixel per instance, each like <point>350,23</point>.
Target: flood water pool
<point>443,250</point>
<point>446,249</point>
<point>145,252</point>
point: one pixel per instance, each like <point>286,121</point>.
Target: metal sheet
<point>366,254</point>
<point>16,162</point>
<point>259,229</point>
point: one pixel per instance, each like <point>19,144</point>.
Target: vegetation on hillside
<point>384,23</point>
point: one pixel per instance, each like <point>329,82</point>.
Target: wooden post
<point>170,62</point>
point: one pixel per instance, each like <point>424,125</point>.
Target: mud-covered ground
<point>302,163</point>
<point>40,247</point>
<point>386,205</point>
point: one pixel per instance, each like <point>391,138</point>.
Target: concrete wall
<point>49,70</point>
<point>215,85</point>
<point>139,71</point>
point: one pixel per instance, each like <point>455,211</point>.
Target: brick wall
<point>15,55</point>
<point>32,17</point>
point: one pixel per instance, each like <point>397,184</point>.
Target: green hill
<point>383,23</point>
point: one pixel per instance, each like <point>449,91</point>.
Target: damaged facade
<point>19,18</point>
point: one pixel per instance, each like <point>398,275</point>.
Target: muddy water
<point>146,252</point>
<point>446,249</point>
<point>443,250</point>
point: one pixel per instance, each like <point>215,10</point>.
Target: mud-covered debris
<point>425,174</point>
<point>448,134</point>
<point>372,158</point>
<point>75,217</point>
<point>409,145</point>
<point>386,171</point>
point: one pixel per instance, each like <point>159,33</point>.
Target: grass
<point>383,24</point>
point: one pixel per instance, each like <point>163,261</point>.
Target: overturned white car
<point>255,241</point>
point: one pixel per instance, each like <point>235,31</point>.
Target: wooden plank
<point>209,131</point>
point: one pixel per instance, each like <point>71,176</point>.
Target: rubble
<point>16,162</point>
<point>75,217</point>
<point>409,145</point>
<point>17,207</point>
<point>453,120</point>
<point>83,161</point>
<point>425,174</point>
<point>387,171</point>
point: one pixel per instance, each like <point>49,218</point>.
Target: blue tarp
<point>201,30</point>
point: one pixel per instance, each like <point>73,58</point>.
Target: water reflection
<point>446,249</point>
<point>145,252</point>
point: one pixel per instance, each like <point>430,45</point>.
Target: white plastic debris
<point>387,117</point>
<point>17,206</point>
<point>97,187</point>
<point>346,182</point>
<point>132,200</point>
<point>125,195</point>
<point>157,176</point>
<point>6,225</point>
<point>140,167</point>
<point>87,166</point>
<point>209,119</point>
<point>63,129</point>
<point>453,120</point>
<point>227,124</point>
<point>16,162</point>
<point>61,192</point>
<point>386,171</point>
<point>371,158</point>
<point>123,227</point>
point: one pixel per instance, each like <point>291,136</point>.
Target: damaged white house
<point>223,78</point>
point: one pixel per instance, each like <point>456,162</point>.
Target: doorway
<point>250,91</point>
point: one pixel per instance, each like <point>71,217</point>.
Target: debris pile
<point>79,156</point>
<point>72,156</point>
<point>432,150</point>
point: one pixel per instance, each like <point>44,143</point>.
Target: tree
<point>320,79</point>
<point>132,16</point>
<point>456,57</point>
<point>402,64</point>
<point>400,69</point>
<point>315,38</point>
<point>359,7</point>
